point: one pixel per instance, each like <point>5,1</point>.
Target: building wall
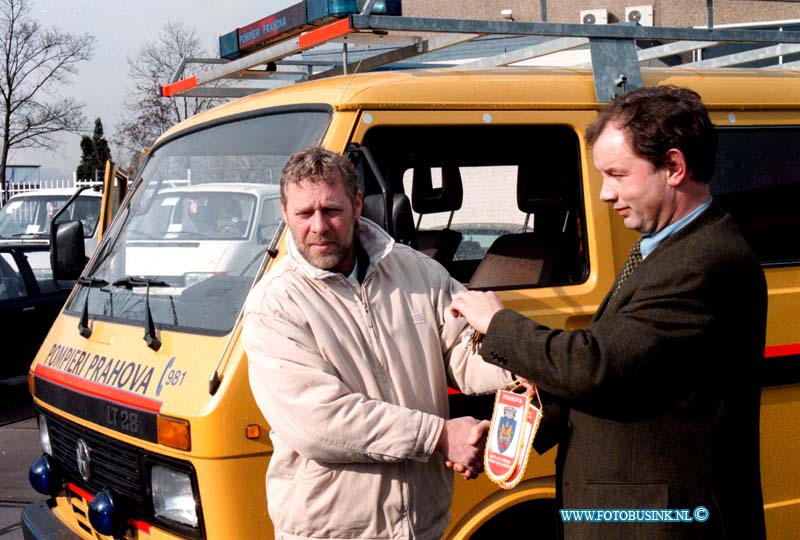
<point>677,13</point>
<point>22,174</point>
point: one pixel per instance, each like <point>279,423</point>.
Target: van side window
<point>757,181</point>
<point>499,206</point>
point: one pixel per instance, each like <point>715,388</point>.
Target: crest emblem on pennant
<point>503,445</point>
<point>506,427</point>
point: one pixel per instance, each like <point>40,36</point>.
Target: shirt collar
<point>651,242</point>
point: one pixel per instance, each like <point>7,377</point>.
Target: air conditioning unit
<point>639,14</point>
<point>594,16</point>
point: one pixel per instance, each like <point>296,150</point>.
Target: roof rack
<point>369,42</point>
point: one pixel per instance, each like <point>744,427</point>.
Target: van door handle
<point>28,309</point>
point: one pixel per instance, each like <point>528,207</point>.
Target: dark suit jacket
<point>656,403</point>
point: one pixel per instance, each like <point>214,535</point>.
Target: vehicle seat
<point>401,226</point>
<point>440,244</point>
<point>530,258</point>
<point>228,218</point>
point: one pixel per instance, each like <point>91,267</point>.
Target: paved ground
<point>19,446</point>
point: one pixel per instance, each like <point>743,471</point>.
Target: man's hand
<point>462,442</point>
<point>478,307</point>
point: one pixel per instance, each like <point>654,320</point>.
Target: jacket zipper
<point>367,313</point>
<point>377,343</point>
<point>406,492</point>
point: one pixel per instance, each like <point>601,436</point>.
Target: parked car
<point>221,228</point>
<point>26,216</point>
<point>29,302</point>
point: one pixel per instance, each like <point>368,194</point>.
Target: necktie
<point>633,260</point>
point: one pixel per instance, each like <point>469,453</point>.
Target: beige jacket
<point>353,381</point>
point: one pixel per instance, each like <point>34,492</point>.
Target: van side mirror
<point>67,252</point>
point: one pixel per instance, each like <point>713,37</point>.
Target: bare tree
<point>149,114</point>
<point>37,62</point>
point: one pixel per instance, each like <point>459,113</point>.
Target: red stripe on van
<point>85,495</point>
<point>782,350</point>
<point>98,390</point>
<point>141,525</point>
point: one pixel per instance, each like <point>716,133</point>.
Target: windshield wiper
<point>83,324</point>
<point>129,282</point>
<point>30,235</point>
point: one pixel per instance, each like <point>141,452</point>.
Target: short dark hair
<point>656,119</point>
<point>317,161</point>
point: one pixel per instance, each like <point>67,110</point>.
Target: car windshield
<point>29,215</point>
<point>198,225</point>
<point>187,213</point>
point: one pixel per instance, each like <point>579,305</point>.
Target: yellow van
<point>147,423</point>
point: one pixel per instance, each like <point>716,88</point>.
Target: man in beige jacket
<point>351,348</point>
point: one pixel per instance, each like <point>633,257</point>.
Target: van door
<point>503,200</point>
<point>115,187</point>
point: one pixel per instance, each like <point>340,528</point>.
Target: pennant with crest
<point>514,423</point>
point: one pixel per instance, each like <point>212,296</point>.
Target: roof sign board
<point>294,20</point>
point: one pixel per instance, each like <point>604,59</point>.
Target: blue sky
<point>120,28</point>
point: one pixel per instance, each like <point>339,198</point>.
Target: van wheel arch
<point>540,515</point>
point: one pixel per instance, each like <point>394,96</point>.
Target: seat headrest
<point>401,226</point>
<point>427,199</point>
<point>537,190</point>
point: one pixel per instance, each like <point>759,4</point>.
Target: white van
<point>214,229</point>
<point>26,216</point>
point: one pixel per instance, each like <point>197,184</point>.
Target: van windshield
<point>28,216</point>
<point>198,225</point>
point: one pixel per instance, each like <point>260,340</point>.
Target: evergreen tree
<point>102,152</point>
<point>94,154</point>
<point>86,168</point>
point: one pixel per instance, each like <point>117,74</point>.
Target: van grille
<point>114,465</point>
<point>117,466</point>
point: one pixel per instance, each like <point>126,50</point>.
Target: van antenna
<point>367,10</point>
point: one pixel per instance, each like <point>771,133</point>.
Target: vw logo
<point>84,461</point>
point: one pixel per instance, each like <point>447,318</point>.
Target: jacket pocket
<point>314,469</point>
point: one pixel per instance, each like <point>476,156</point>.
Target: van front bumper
<point>39,523</point>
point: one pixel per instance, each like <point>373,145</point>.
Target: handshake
<point>462,443</point>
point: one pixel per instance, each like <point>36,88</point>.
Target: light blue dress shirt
<point>651,242</point>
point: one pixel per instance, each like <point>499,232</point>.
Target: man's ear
<point>283,211</point>
<point>359,206</point>
<point>675,166</point>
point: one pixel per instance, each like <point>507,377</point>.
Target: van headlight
<point>173,496</point>
<point>44,436</point>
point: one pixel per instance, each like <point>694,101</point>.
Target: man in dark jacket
<point>656,402</point>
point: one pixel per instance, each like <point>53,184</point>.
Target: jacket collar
<point>375,241</point>
<point>711,214</point>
